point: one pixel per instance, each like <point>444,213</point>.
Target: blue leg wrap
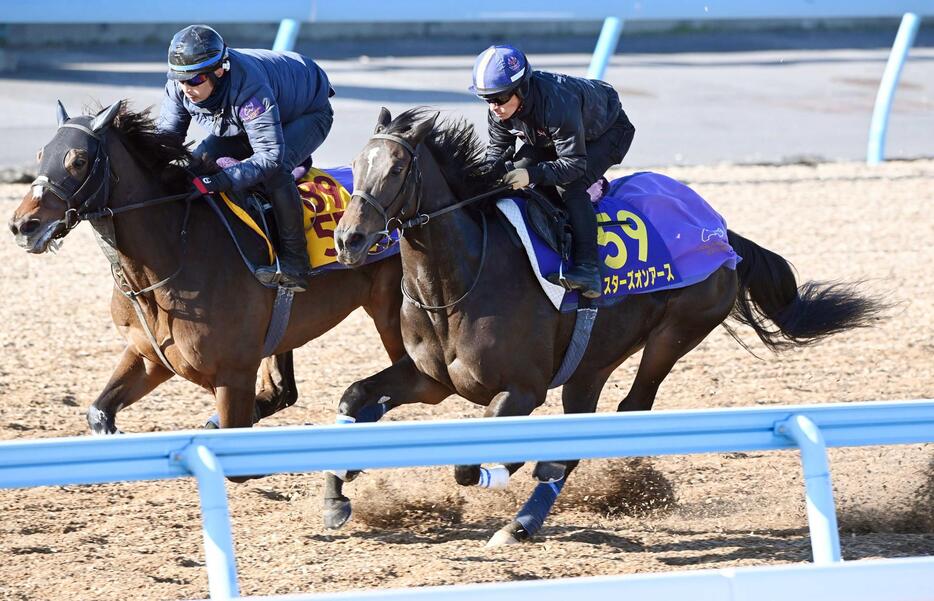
<point>536,509</point>
<point>372,413</point>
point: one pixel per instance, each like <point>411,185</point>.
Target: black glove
<point>209,184</point>
<point>496,168</point>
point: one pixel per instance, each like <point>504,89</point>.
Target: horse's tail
<point>803,315</point>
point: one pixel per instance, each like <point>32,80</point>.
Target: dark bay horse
<point>476,323</point>
<point>209,320</point>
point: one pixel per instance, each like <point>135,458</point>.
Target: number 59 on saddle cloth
<point>653,233</point>
<point>325,194</point>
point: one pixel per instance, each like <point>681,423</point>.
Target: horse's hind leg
<point>579,395</point>
<point>687,321</point>
<point>132,379</point>
<point>277,385</point>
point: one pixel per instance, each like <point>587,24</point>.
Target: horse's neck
<point>148,239</point>
<point>440,259</point>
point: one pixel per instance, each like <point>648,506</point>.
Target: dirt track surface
<point>417,527</point>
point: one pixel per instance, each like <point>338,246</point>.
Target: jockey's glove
<point>497,168</point>
<point>209,184</point>
<point>517,178</point>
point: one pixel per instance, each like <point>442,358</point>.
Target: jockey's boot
<point>293,252</point>
<point>585,275</point>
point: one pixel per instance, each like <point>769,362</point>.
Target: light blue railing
<point>210,455</point>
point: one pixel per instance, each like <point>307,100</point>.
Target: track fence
<point>209,456</point>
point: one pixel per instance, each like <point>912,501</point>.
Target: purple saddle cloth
<point>654,233</point>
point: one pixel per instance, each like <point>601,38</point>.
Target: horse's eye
<point>396,170</point>
<point>79,163</point>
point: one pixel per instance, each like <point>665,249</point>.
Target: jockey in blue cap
<point>271,109</point>
<point>573,130</point>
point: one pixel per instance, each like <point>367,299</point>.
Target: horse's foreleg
<point>277,389</point>
<point>132,379</point>
<point>505,404</point>
<point>367,401</point>
<point>383,306</point>
<point>579,395</point>
<point>234,392</point>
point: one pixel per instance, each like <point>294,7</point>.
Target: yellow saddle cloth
<point>324,199</point>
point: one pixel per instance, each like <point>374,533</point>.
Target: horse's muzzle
<point>352,247</point>
<point>30,235</point>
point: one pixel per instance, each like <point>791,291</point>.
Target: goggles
<point>499,99</point>
<point>197,80</point>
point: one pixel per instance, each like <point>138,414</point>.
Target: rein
<point>421,219</point>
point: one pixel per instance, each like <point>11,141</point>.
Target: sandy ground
<point>417,527</point>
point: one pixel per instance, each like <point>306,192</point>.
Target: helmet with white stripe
<point>500,69</point>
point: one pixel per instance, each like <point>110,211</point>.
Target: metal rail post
<point>606,46</point>
<point>215,520</point>
<point>893,70</point>
<point>822,515</point>
<point>287,34</point>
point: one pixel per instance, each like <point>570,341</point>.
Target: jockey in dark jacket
<point>271,109</point>
<point>572,129</point>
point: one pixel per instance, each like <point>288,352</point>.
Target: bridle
<point>399,222</point>
<point>89,201</point>
<point>88,198</point>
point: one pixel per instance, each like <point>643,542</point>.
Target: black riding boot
<point>293,252</point>
<point>585,275</point>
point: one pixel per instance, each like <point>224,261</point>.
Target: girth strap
<point>583,326</point>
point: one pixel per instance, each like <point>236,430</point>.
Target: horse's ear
<point>61,113</point>
<point>383,120</point>
<point>421,130</point>
<point>105,118</point>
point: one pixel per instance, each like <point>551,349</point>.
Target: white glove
<point>517,178</point>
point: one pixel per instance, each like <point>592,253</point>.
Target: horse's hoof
<point>336,512</point>
<point>467,475</point>
<point>351,475</point>
<point>502,537</point>
<point>213,423</point>
<point>549,471</point>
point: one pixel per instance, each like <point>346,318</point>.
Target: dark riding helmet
<point>193,50</point>
<point>500,70</point>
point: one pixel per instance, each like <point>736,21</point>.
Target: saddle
<point>550,221</point>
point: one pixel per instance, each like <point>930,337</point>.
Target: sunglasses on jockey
<point>197,80</point>
<point>499,99</point>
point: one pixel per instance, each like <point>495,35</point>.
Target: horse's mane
<point>158,152</point>
<point>455,147</point>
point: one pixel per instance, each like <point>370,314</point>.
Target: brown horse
<point>478,325</point>
<point>210,317</point>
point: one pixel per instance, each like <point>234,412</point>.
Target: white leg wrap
<point>495,476</point>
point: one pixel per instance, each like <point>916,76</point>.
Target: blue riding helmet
<point>193,50</point>
<point>500,69</point>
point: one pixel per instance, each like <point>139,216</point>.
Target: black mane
<point>456,148</point>
<point>159,153</point>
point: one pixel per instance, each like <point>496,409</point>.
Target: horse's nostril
<point>27,228</point>
<point>13,228</point>
<point>354,240</point>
